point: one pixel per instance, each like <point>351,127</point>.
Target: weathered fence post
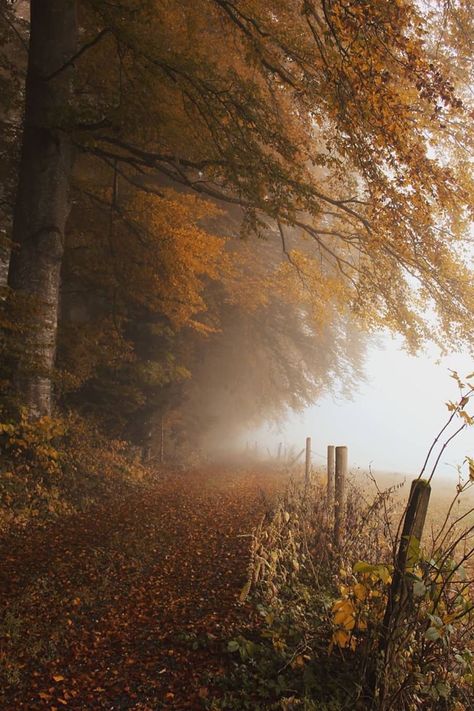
<point>407,556</point>
<point>307,468</point>
<point>279,451</point>
<point>331,464</point>
<point>409,546</point>
<point>339,493</point>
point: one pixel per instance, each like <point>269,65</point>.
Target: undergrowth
<point>55,466</point>
<point>320,640</point>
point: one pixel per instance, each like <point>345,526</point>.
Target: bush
<point>323,642</point>
<point>52,466</point>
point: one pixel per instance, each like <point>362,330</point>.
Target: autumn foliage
<point>336,134</point>
<point>208,207</point>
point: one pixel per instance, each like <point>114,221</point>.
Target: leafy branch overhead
<point>334,139</point>
<point>336,121</point>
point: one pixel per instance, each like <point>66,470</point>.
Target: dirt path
<point>130,606</point>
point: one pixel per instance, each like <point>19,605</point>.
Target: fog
<point>392,418</point>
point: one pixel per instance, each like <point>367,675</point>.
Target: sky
<point>392,419</point>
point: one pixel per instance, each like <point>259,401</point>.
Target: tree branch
<point>70,62</point>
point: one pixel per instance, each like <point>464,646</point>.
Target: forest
<point>208,211</point>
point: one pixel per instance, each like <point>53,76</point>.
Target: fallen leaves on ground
<point>130,605</point>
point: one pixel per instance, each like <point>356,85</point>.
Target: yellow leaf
<point>341,638</point>
<point>360,591</point>
<point>346,619</point>
<point>344,605</point>
<point>349,622</point>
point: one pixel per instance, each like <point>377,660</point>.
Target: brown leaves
<point>150,584</point>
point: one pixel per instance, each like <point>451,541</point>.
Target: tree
<point>181,322</point>
<point>135,276</point>
<point>332,119</point>
<point>42,203</point>
<point>263,363</point>
<point>12,58</point>
<point>322,120</point>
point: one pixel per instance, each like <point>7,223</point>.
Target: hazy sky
<point>392,419</point>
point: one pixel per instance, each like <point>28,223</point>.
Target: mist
<point>391,418</point>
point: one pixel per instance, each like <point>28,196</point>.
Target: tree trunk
<point>43,203</point>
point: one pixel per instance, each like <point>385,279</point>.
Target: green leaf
<point>413,552</point>
<point>432,634</point>
<point>443,689</point>
<point>380,571</point>
<point>437,621</point>
<point>419,588</point>
<point>383,573</point>
<point>250,648</point>
<point>233,646</point>
<point>361,567</point>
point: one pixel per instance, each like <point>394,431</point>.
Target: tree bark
<point>43,203</point>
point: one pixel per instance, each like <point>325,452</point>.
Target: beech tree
<point>42,203</point>
<point>333,128</point>
<point>183,321</point>
<point>12,61</point>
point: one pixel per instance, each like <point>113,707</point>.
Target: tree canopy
<point>338,120</point>
<point>336,134</point>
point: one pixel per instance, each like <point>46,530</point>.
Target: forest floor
<point>131,605</point>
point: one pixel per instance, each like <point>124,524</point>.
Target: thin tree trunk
<point>42,204</point>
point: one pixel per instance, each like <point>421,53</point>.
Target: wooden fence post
<point>340,493</point>
<point>279,451</point>
<point>331,464</point>
<point>409,546</point>
<point>307,468</point>
<point>407,556</point>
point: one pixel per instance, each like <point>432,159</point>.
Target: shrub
<point>52,466</point>
<point>324,640</point>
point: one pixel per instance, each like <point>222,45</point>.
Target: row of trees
<point>221,196</point>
